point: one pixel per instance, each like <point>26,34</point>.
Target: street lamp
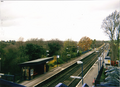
<point>80,62</point>
<point>0,64</point>
<point>67,52</point>
<point>98,61</point>
<point>77,50</point>
<point>57,60</point>
<point>100,58</point>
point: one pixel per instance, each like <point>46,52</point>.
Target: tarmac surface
<point>43,77</point>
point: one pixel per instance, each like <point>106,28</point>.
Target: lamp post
<point>98,62</point>
<point>100,58</point>
<point>77,50</point>
<point>80,62</point>
<point>0,64</point>
<point>67,53</point>
<point>57,60</point>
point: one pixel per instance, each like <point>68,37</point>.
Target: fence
<point>97,81</point>
<point>86,51</point>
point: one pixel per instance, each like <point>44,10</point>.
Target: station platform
<point>92,73</point>
<point>89,77</point>
<point>49,74</point>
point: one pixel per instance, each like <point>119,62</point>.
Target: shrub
<point>74,55</point>
<point>60,61</point>
<point>51,64</point>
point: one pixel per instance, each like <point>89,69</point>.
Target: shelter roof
<point>36,62</point>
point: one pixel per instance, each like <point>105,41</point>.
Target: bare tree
<point>20,41</point>
<point>111,26</point>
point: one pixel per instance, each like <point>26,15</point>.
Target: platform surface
<point>91,74</point>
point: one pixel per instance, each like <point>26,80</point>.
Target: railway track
<point>74,70</point>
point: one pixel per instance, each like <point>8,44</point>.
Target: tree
<point>93,45</point>
<point>85,43</point>
<point>69,50</point>
<point>54,46</point>
<point>20,41</point>
<point>11,54</point>
<point>37,41</point>
<point>34,51</point>
<point>70,45</point>
<point>111,26</point>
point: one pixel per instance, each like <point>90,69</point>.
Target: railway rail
<point>74,70</point>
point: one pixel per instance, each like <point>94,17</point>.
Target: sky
<point>52,19</point>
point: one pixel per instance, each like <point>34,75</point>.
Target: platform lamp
<point>57,59</point>
<point>98,61</point>
<point>100,58</point>
<point>77,50</point>
<point>0,64</point>
<point>80,62</point>
<point>67,53</point>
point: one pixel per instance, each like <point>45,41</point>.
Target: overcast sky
<point>55,19</point>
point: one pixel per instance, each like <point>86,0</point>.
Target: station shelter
<point>34,67</point>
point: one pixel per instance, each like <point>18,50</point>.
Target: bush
<point>51,64</point>
<point>60,61</point>
<point>74,55</point>
<point>80,52</point>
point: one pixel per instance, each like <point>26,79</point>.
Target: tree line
<point>14,52</point>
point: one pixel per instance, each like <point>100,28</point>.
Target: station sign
<point>76,77</point>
